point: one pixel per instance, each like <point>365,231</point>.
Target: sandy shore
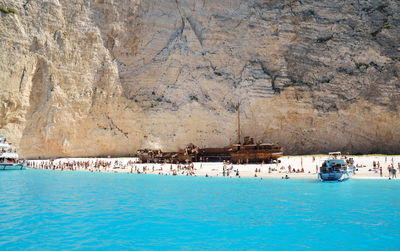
<point>308,163</point>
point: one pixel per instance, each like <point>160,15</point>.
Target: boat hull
<point>337,176</point>
<point>12,166</point>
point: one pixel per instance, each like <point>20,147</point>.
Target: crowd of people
<point>377,167</point>
<point>103,165</point>
<point>94,165</point>
<point>189,169</point>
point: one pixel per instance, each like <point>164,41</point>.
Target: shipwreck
<point>248,152</point>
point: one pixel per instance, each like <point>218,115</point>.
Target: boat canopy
<point>336,161</point>
<point>9,155</point>
<point>4,145</point>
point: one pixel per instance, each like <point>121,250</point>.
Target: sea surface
<point>55,210</point>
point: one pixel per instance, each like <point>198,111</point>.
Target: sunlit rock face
<point>107,77</point>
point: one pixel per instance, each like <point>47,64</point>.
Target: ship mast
<point>238,123</point>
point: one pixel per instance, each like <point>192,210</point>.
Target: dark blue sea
<point>55,210</point>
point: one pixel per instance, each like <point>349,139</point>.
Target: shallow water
<point>55,210</point>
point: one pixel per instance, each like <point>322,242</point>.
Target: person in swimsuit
<point>393,172</point>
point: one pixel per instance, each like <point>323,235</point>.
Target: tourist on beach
<point>393,172</point>
<point>380,171</point>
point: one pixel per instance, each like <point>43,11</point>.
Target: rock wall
<point>106,77</point>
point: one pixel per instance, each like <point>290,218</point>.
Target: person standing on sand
<point>223,170</point>
<point>393,170</point>
<point>380,171</point>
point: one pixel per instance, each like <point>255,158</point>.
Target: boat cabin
<point>334,165</point>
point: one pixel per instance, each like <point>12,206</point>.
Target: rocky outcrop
<point>106,77</point>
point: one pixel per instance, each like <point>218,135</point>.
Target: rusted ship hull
<point>213,154</point>
<point>156,156</point>
<point>255,157</point>
<point>233,155</point>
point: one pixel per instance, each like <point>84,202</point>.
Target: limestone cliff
<point>106,77</point>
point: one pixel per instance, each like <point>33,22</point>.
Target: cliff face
<point>106,77</point>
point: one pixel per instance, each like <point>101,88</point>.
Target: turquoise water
<point>53,210</point>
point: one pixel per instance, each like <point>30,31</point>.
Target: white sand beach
<point>310,163</point>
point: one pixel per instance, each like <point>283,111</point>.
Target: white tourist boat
<point>8,157</point>
<point>336,168</point>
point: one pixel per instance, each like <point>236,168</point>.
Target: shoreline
<point>292,176</point>
<point>309,163</point>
